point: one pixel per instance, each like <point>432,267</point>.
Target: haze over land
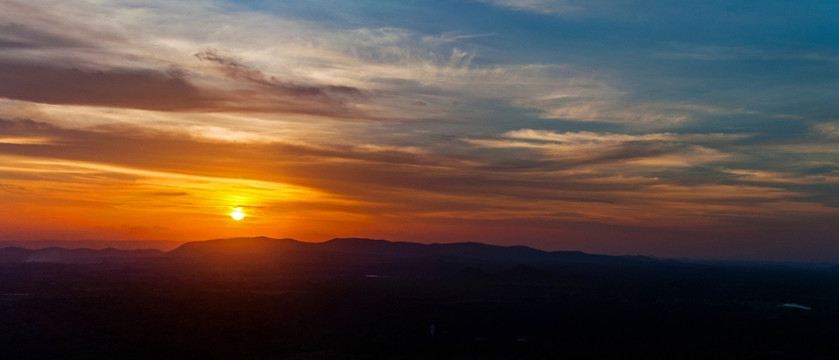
<point>678,129</point>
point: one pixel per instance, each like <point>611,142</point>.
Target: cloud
<point>142,172</point>
<point>554,7</point>
<point>829,130</point>
<point>371,74</point>
<point>764,176</point>
<point>585,136</point>
<point>362,166</point>
<point>236,70</point>
<point>609,111</point>
<point>119,67</point>
<point>452,38</point>
<point>18,36</point>
<point>140,89</point>
<point>584,169</point>
<point>569,150</point>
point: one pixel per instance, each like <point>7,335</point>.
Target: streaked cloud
<point>556,7</point>
<point>829,130</point>
<point>139,89</point>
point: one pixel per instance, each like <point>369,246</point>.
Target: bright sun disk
<point>237,214</point>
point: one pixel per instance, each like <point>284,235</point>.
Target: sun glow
<point>237,214</point>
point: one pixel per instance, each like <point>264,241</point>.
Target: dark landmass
<point>375,299</point>
<point>161,245</point>
<point>56,255</point>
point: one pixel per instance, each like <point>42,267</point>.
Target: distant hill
<point>162,245</point>
<point>384,255</point>
<point>74,256</point>
<point>470,251</point>
<point>264,247</point>
<point>254,248</point>
<point>465,250</point>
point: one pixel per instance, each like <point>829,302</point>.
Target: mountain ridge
<point>74,256</point>
<point>267,249</point>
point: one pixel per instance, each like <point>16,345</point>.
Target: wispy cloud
<point>759,176</point>
<point>555,7</point>
<point>593,172</point>
<point>829,130</point>
<point>236,70</point>
<point>644,152</point>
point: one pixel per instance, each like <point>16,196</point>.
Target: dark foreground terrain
<point>366,299</point>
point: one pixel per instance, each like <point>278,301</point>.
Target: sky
<point>688,128</point>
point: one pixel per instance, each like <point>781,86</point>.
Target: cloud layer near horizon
<point>561,125</point>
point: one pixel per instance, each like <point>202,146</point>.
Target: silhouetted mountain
<point>74,256</point>
<point>465,250</point>
<point>473,251</point>
<point>386,256</point>
<point>254,248</point>
<point>377,247</point>
<point>264,251</point>
<point>161,245</point>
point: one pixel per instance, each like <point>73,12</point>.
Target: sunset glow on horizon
<point>607,127</point>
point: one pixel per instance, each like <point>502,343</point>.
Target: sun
<point>237,214</point>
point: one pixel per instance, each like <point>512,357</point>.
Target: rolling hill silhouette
<point>264,246</point>
<point>74,256</point>
<point>372,254</point>
<point>261,248</point>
